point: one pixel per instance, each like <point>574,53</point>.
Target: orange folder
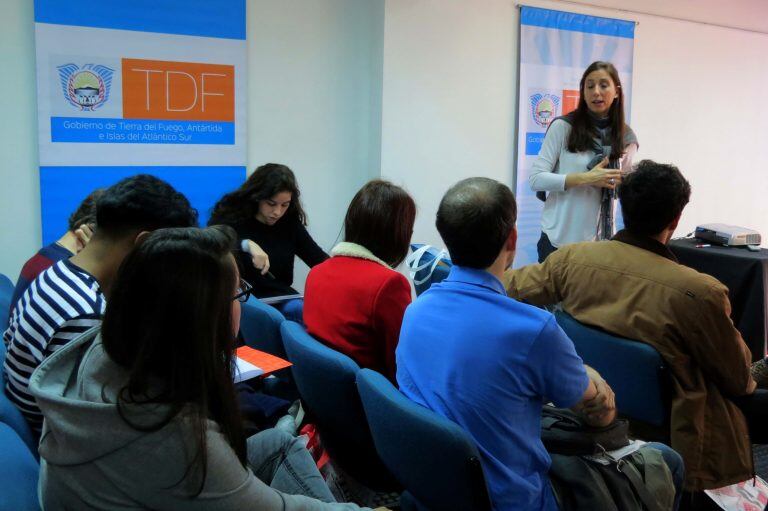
<point>264,361</point>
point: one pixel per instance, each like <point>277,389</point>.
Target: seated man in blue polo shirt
<point>488,362</point>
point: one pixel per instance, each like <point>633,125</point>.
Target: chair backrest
<point>424,270</point>
<point>432,457</point>
<point>19,472</point>
<point>10,415</point>
<point>634,370</point>
<point>260,327</point>
<point>326,382</point>
<point>6,293</point>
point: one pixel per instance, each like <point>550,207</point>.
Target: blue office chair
<point>428,266</point>
<point>260,327</point>
<point>6,293</point>
<point>19,472</point>
<point>326,382</point>
<point>635,371</point>
<point>432,457</point>
<point>10,415</point>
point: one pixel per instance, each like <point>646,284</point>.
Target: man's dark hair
<point>474,219</point>
<point>652,196</point>
<point>86,211</point>
<point>380,218</point>
<point>142,203</point>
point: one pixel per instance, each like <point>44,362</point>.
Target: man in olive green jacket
<point>633,287</point>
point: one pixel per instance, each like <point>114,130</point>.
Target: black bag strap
<point>634,478</point>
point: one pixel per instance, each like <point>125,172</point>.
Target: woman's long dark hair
<point>380,218</point>
<point>582,129</point>
<point>266,181</point>
<point>169,325</point>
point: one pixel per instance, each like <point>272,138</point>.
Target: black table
<point>746,275</point>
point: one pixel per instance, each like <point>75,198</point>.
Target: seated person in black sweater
<point>267,215</point>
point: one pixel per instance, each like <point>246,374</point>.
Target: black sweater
<point>282,241</point>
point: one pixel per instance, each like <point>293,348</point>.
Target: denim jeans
<point>283,462</point>
<point>675,463</point>
<point>544,247</point>
<point>293,310</point>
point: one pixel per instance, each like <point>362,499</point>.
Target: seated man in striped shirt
<point>69,297</point>
<point>79,232</point>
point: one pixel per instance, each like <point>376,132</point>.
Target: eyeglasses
<point>243,291</point>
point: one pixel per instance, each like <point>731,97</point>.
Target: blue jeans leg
<point>293,310</point>
<point>544,247</point>
<point>284,463</point>
<point>675,463</point>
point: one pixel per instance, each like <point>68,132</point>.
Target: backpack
<point>585,474</point>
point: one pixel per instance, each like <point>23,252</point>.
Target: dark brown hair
<point>266,181</point>
<point>85,212</point>
<point>475,218</point>
<point>141,203</point>
<point>652,196</point>
<point>582,133</point>
<point>380,218</point>
<point>169,325</point>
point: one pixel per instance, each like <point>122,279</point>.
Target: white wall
<point>20,230</point>
<point>314,91</point>
<point>448,107</point>
<point>450,77</point>
<point>701,107</point>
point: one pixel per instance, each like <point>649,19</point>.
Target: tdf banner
<point>144,86</point>
<point>555,49</point>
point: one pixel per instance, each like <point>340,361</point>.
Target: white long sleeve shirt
<point>569,216</point>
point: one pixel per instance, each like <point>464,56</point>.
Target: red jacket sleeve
<point>388,309</point>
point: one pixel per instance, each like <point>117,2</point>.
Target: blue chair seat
<point>6,293</point>
<point>635,371</point>
<point>432,457</point>
<point>19,472</point>
<point>260,327</point>
<point>10,415</point>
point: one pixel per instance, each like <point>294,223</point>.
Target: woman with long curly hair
<point>270,222</point>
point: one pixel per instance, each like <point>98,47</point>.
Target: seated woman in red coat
<point>354,301</point>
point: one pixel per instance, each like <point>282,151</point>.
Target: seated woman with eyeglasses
<point>354,302</point>
<point>141,413</point>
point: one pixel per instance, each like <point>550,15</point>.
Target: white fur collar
<point>348,249</point>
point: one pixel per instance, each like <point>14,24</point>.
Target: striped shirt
<point>60,304</point>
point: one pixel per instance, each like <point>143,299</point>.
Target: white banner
<point>555,49</point>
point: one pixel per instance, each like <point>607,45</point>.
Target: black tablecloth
<point>746,275</point>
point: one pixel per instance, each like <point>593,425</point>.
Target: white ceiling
<point>743,14</point>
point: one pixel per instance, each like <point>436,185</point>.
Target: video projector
<point>730,235</point>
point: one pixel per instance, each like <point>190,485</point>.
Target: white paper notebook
<point>280,299</point>
<point>245,370</point>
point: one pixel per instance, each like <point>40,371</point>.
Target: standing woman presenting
<point>581,162</point>
<point>270,223</point>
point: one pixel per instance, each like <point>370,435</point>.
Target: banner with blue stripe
<point>141,86</point>
<point>555,49</point>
